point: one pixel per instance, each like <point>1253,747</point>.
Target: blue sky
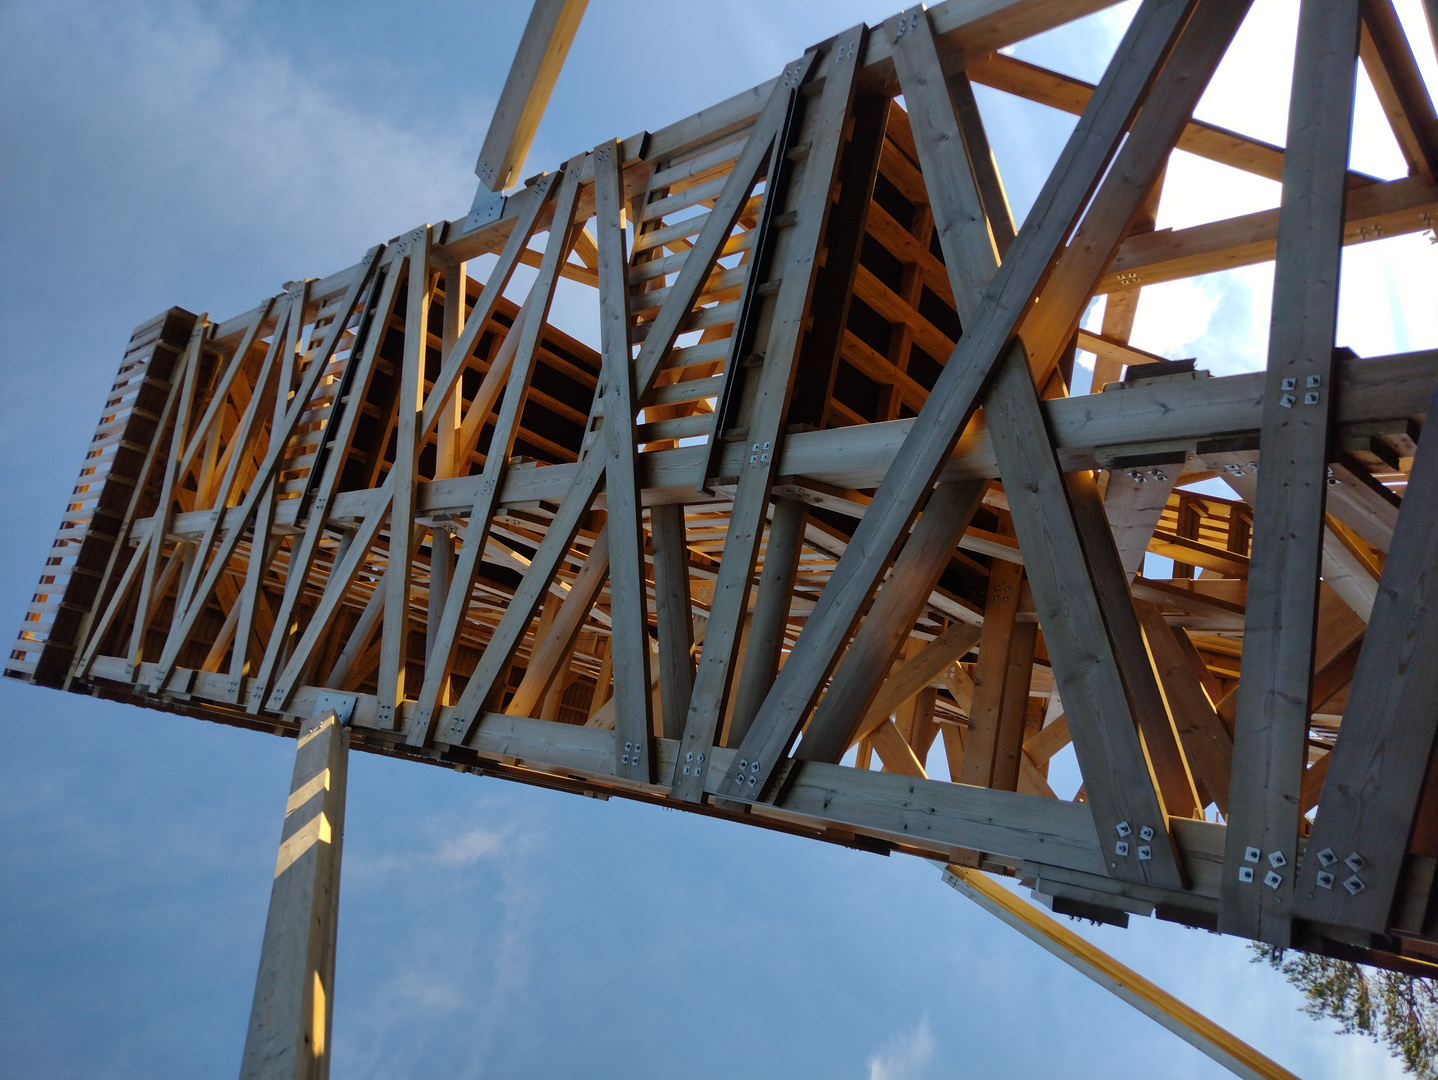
<point>202,156</point>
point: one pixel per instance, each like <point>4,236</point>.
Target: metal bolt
<point>1354,861</point>
<point>1272,879</point>
<point>1121,848</point>
<point>1145,852</point>
<point>1251,854</point>
<point>1277,859</point>
<point>1245,873</point>
<point>1326,857</point>
<point>1145,833</point>
<point>1122,828</point>
<point>1313,381</point>
<point>1325,879</point>
<point>1290,384</point>
<point>1287,401</point>
<point>1311,398</point>
<point>1354,885</point>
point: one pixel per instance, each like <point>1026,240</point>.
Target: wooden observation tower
<point>820,514</point>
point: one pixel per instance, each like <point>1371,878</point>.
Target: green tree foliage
<point>1401,1010</point>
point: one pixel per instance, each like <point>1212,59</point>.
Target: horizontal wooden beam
<point>1179,413</point>
<point>1373,212</point>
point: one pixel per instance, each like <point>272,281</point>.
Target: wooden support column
<point>289,1033</point>
<point>633,721</point>
<point>675,623</point>
<point>394,639</point>
<point>1001,607</point>
<point>1270,738</point>
<point>1375,777</point>
<point>1013,717</point>
<point>547,36</point>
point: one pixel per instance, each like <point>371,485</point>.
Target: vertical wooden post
<point>1269,744</point>
<point>289,1032</point>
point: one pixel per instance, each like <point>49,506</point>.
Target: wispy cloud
<point>906,1056</point>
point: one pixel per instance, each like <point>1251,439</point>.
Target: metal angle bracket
<point>488,207</point>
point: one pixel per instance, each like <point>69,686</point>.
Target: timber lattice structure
<point>822,489</point>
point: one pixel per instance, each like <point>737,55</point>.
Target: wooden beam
<point>1014,713</point>
<point>1378,765</point>
<point>1001,610</point>
<point>942,115</point>
<point>394,635</point>
<point>1270,739</point>
<point>1393,208</point>
<point>547,36</point>
<point>1122,199</point>
<point>1193,1028</point>
<point>290,1020</point>
<point>1389,61</point>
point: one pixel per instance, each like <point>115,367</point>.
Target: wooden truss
<point>821,500</point>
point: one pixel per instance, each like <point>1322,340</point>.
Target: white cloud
<point>906,1056</point>
<point>467,848</point>
<point>283,163</point>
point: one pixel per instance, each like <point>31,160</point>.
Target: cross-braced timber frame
<point>822,500</point>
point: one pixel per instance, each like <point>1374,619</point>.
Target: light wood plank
<point>1269,746</point>
<point>547,36</point>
